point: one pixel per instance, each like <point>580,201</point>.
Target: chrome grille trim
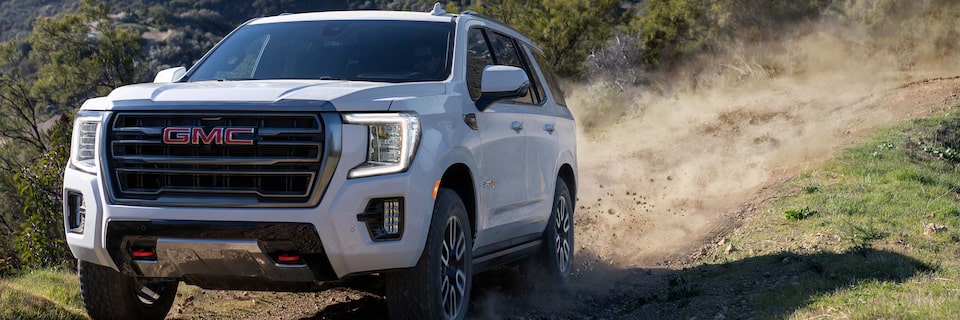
<point>222,160</point>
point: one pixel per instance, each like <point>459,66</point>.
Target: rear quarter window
<point>552,82</point>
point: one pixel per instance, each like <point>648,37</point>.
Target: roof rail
<point>438,10</point>
<point>488,18</point>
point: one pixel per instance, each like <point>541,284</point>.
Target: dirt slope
<point>657,186</point>
<point>662,186</point>
<point>665,172</point>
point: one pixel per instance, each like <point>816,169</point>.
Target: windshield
<point>390,51</point>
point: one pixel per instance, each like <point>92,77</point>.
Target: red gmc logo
<point>218,135</point>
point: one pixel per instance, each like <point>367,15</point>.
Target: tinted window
<point>552,83</point>
<point>536,83</point>
<point>506,53</point>
<point>391,51</point>
<point>478,57</point>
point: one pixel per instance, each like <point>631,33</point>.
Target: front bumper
<point>346,242</point>
<point>221,255</point>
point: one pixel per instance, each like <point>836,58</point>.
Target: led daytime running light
<point>86,133</point>
<point>392,142</point>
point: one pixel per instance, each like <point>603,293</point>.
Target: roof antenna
<point>438,10</point>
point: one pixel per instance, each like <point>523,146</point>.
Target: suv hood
<point>344,95</point>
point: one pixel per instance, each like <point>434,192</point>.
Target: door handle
<point>548,128</point>
<point>516,126</point>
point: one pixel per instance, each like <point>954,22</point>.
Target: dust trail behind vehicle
<point>667,167</point>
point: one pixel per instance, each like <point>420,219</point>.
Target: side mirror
<point>170,75</point>
<point>501,82</point>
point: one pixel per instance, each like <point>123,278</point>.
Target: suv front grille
<point>280,166</point>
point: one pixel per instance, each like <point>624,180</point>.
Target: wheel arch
<point>569,177</point>
<point>459,178</point>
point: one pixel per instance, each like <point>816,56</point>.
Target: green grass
<point>41,294</point>
<point>872,234</point>
<point>883,239</point>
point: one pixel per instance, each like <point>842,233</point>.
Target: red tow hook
<point>288,258</point>
<point>144,253</point>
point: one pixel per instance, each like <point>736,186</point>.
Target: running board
<point>499,258</point>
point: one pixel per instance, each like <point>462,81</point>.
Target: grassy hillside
<point>18,15</point>
<point>872,234</point>
<point>899,193</point>
<point>41,294</point>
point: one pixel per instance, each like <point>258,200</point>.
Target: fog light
<point>384,218</point>
<point>391,216</point>
<point>76,212</point>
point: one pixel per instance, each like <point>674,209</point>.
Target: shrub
<point>800,214</point>
<point>40,240</point>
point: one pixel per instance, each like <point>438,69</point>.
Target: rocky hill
<point>179,31</point>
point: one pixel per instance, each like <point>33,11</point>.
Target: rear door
<point>540,143</point>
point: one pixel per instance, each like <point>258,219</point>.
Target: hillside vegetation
<point>41,294</point>
<point>617,54</point>
<point>872,234</point>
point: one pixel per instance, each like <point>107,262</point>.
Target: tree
<point>39,241</point>
<point>566,30</point>
<point>670,28</point>
<point>66,60</point>
<point>19,109</point>
<point>84,54</point>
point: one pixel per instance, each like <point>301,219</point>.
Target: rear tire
<point>553,264</point>
<point>108,294</point>
<point>438,287</point>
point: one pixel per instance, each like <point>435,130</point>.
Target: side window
<point>505,51</point>
<point>478,57</point>
<point>536,82</point>
<point>547,70</point>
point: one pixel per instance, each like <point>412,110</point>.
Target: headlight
<point>392,142</point>
<point>83,148</point>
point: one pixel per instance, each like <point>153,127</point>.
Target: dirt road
<point>662,187</point>
<point>683,172</point>
<point>659,186</point>
<point>668,168</point>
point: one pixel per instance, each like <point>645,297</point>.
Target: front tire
<point>438,287</point>
<point>553,264</point>
<point>108,294</point>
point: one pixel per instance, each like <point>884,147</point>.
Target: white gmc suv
<point>304,149</point>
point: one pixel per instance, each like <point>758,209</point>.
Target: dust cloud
<point>664,172</point>
<point>667,167</point>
